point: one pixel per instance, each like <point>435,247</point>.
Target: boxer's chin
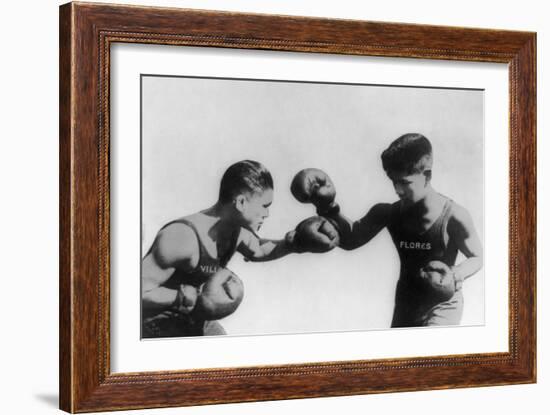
<point>255,227</point>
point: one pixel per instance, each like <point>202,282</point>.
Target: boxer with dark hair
<point>427,228</point>
<point>185,266</point>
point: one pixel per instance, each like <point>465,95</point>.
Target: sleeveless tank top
<point>207,264</point>
<point>171,323</point>
<point>415,250</point>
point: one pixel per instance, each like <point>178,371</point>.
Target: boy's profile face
<point>254,208</point>
<point>410,187</point>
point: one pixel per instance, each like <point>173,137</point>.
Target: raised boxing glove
<point>314,186</point>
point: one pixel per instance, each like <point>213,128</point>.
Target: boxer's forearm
<point>158,298</point>
<point>268,250</point>
<point>467,268</point>
<point>354,234</point>
<point>463,233</point>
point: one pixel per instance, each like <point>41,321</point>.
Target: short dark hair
<point>411,153</point>
<point>244,176</point>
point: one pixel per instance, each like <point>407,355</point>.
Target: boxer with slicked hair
<point>185,284</point>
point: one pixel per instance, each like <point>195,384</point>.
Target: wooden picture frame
<point>86,33</point>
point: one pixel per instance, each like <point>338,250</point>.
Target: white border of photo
<point>130,354</point>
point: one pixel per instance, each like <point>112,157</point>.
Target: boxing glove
<point>314,186</point>
<point>439,280</point>
<point>219,296</point>
<point>315,234</point>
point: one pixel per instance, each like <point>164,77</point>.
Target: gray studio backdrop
<point>194,128</point>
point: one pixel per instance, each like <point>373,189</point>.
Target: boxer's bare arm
<point>462,231</point>
<point>358,233</point>
<point>256,249</point>
<point>175,246</point>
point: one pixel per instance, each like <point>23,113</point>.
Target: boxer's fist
<point>315,234</point>
<point>314,186</point>
<point>439,279</point>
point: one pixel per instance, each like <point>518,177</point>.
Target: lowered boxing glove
<point>220,295</point>
<point>314,186</point>
<point>315,234</point>
<point>439,280</point>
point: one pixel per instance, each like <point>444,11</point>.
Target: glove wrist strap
<point>290,241</point>
<point>333,209</point>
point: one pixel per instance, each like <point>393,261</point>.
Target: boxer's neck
<point>226,215</point>
<point>426,210</point>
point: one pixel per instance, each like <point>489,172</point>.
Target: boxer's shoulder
<point>460,220</point>
<point>175,243</point>
<point>382,213</point>
<point>458,212</point>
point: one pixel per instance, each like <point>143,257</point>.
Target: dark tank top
<point>171,323</point>
<point>207,264</point>
<point>415,250</point>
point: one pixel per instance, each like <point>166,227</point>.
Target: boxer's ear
<point>239,202</point>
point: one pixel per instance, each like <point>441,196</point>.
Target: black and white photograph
<point>275,207</point>
<point>284,207</point>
